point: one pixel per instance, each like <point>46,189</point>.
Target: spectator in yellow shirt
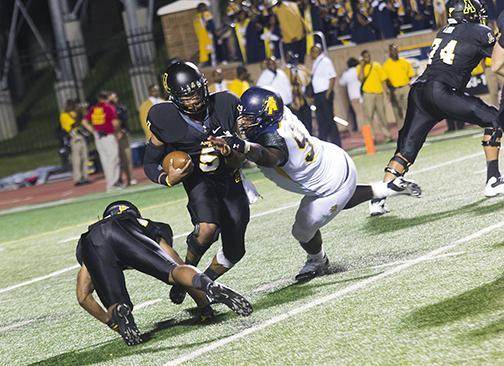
<point>70,121</point>
<point>241,83</point>
<point>373,90</point>
<point>399,73</point>
<point>292,27</point>
<point>219,84</point>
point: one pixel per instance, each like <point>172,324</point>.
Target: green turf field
<point>423,285</point>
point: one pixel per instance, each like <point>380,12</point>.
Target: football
<point>180,159</point>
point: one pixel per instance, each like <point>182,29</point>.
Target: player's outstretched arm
<point>85,297</point>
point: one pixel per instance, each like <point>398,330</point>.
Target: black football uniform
<point>121,242</point>
<point>215,191</point>
<point>439,92</point>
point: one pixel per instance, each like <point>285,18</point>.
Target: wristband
<point>246,148</point>
<point>112,325</point>
<point>163,179</point>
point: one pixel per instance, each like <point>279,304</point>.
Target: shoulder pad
<point>165,122</point>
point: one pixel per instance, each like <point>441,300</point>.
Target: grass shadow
<point>390,223</point>
<point>488,297</point>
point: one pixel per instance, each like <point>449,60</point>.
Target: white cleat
<point>400,185</point>
<point>494,187</point>
<point>378,207</point>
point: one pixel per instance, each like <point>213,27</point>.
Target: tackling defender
<point>217,200</point>
<point>439,93</point>
<point>122,240</point>
<point>323,172</point>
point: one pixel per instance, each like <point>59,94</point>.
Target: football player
<point>218,203</point>
<point>439,93</point>
<point>323,172</point>
<point>122,240</point>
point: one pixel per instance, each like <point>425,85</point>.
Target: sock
<point>493,169</point>
<point>379,190</point>
<point>211,274</point>
<point>319,256</point>
<point>201,281</point>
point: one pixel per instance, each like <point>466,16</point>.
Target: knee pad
<point>495,134</point>
<point>200,248</point>
<point>401,161</point>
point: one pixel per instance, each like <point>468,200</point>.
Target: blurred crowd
<point>253,30</point>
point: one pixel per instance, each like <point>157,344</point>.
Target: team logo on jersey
<point>469,7</point>
<point>165,81</point>
<point>491,38</point>
<point>271,105</point>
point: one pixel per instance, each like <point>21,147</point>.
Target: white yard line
<point>333,296</point>
<point>15,325</point>
<point>391,264</point>
<point>37,279</point>
<point>449,162</point>
<point>146,304</point>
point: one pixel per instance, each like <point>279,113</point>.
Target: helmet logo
<point>270,105</point>
<point>165,81</point>
<point>469,7</point>
<point>121,209</point>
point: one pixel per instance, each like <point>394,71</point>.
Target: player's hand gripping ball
<point>177,165</point>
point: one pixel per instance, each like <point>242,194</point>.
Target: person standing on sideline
<point>143,110</point>
<point>70,121</point>
<point>219,83</point>
<point>106,127</point>
<point>399,73</point>
<point>353,85</point>
<point>277,79</point>
<point>125,159</point>
<point>374,90</point>
<point>323,79</point>
<point>242,81</point>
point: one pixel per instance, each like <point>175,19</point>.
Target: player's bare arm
<point>85,297</point>
<point>498,50</point>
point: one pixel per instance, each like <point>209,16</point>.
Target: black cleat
<point>219,293</point>
<point>177,294</point>
<point>313,268</point>
<point>206,314</point>
<point>127,328</point>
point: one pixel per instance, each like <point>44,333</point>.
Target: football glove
<point>237,143</point>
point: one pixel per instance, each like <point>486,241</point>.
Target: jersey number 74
<point>446,54</point>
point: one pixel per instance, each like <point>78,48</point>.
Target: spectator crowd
<point>254,30</point>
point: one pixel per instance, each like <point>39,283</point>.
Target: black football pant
<point>325,118</point>
<point>221,201</point>
<point>430,102</point>
<point>115,245</point>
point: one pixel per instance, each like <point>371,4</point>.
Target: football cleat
<point>218,293</point>
<point>494,187</point>
<point>206,314</point>
<point>313,268</point>
<point>400,185</point>
<point>122,316</point>
<point>378,207</point>
<point>177,294</point>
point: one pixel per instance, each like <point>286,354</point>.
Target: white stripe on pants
<point>108,149</point>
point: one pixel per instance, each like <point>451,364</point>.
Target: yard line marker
<point>333,296</point>
<point>64,270</point>
<point>146,303</point>
<point>15,325</point>
<point>37,279</point>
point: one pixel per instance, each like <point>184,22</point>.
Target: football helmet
<point>186,87</point>
<point>118,207</point>
<point>467,11</point>
<point>259,108</point>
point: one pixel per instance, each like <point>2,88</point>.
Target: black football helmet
<point>467,11</point>
<point>118,207</point>
<point>186,87</point>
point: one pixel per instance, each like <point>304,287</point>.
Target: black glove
<point>235,142</point>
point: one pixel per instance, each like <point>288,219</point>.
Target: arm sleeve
<point>273,139</point>
<point>487,41</point>
<point>152,160</point>
<point>500,25</point>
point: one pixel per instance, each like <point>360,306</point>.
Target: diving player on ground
<point>123,240</point>
<point>217,200</point>
<point>439,93</point>
<point>323,172</point>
